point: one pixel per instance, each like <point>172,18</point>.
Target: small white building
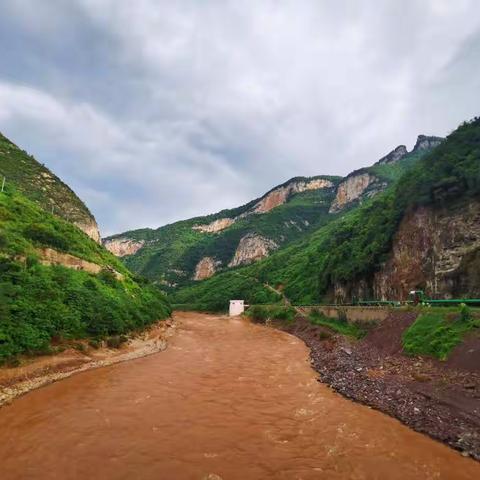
<point>237,307</point>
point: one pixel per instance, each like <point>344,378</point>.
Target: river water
<point>227,400</point>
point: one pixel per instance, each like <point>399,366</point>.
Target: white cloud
<point>189,107</point>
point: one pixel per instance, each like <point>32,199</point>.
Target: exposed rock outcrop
<point>280,195</point>
<point>48,256</point>
<point>122,247</point>
<point>215,226</point>
<point>206,268</point>
<point>394,156</point>
<point>90,228</point>
<point>251,248</point>
<point>42,186</point>
<point>435,249</point>
<point>425,142</point>
<point>353,187</point>
<point>429,252</point>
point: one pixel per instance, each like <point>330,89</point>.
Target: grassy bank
<point>338,325</point>
<point>437,331</point>
<point>264,313</point>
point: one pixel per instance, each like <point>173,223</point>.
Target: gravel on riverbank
<point>440,399</point>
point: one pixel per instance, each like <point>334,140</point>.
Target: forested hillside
<point>172,253</point>
<point>57,283</point>
<point>43,187</point>
<point>352,255</point>
<point>199,248</point>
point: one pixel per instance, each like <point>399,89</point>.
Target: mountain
<point>57,282</point>
<point>198,248</point>
<point>420,232</point>
<point>40,185</point>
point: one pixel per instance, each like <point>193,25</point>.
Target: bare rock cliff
<point>394,156</point>
<point>206,268</point>
<point>435,249</point>
<point>215,226</point>
<point>122,247</point>
<point>49,256</point>
<point>352,188</point>
<point>425,142</point>
<point>251,248</point>
<point>430,251</point>
<point>280,195</point>
<point>90,227</point>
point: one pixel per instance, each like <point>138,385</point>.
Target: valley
<point>227,399</point>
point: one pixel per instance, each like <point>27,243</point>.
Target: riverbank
<point>440,399</point>
<point>227,399</point>
<point>36,372</point>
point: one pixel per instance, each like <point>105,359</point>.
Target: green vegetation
<point>24,228</point>
<point>264,313</point>
<point>437,331</point>
<point>39,184</point>
<point>352,246</point>
<point>40,303</point>
<point>172,252</point>
<point>339,325</point>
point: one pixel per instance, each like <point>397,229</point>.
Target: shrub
<point>338,325</point>
<point>46,236</point>
<point>434,334</point>
<point>116,341</point>
<point>465,313</point>
<point>263,313</point>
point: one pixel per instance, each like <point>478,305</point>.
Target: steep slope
<point>40,185</point>
<point>200,247</point>
<point>56,282</point>
<point>367,182</point>
<point>421,232</point>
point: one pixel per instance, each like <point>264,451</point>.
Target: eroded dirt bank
<point>37,372</point>
<point>440,399</point>
<point>227,400</point>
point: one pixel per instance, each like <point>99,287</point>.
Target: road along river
<point>226,400</point>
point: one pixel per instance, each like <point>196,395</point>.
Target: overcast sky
<point>155,111</point>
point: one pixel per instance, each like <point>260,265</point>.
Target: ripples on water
<point>227,400</point>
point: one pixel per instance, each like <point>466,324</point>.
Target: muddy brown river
<point>227,400</point>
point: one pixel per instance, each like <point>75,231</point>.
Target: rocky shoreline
<point>37,372</point>
<point>439,399</point>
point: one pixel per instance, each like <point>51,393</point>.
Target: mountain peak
<point>394,156</point>
<point>425,142</point>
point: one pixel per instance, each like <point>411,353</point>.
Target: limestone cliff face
<point>435,250</point>
<point>43,187</point>
<point>215,226</point>
<point>206,268</point>
<point>90,227</point>
<point>275,198</point>
<point>429,252</point>
<point>394,156</point>
<point>122,247</point>
<point>251,248</point>
<point>280,195</point>
<point>425,142</point>
<point>49,256</point>
<point>352,188</point>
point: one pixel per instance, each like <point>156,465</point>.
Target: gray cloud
<point>155,111</point>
